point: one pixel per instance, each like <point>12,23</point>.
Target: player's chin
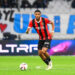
<point>37,18</point>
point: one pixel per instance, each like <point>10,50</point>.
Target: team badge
<point>42,23</point>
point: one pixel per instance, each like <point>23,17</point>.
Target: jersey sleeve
<point>30,24</point>
<point>47,20</point>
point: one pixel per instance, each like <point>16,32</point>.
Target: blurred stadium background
<point>14,19</point>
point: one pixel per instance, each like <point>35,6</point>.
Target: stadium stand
<point>55,7</point>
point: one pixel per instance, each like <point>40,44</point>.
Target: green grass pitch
<point>62,65</point>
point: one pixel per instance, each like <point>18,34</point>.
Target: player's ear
<point>40,14</point>
<point>34,13</point>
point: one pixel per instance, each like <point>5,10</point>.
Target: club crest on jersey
<point>42,23</point>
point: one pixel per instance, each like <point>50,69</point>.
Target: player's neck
<point>38,20</point>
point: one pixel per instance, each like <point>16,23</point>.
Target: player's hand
<point>27,32</point>
<point>52,33</point>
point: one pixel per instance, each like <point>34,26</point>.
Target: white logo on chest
<point>39,27</point>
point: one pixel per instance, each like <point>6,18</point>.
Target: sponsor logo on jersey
<point>46,43</point>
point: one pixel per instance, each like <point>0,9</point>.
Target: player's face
<point>37,15</point>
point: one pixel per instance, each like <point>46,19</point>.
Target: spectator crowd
<point>24,4</point>
<point>27,4</point>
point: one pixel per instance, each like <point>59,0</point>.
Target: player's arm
<point>52,32</point>
<point>29,27</point>
<point>27,31</point>
<point>52,24</point>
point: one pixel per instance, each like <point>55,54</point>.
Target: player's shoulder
<point>32,20</point>
<point>44,18</point>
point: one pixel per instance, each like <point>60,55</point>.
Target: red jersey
<point>41,28</point>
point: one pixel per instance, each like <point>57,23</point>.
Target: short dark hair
<point>37,11</point>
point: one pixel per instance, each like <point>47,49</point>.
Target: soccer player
<point>45,37</point>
